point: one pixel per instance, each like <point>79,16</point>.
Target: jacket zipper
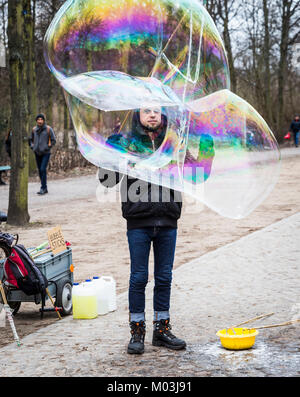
<point>152,140</point>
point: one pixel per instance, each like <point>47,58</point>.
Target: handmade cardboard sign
<point>56,240</point>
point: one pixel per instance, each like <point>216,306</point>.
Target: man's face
<point>40,122</point>
<point>297,118</point>
<point>150,118</point>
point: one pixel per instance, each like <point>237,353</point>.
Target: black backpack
<point>21,272</point>
<point>19,269</point>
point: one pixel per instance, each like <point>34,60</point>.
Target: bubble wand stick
<point>9,315</point>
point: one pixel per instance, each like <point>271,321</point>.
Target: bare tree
<point>289,28</point>
<point>29,30</point>
<point>227,11</point>
<point>18,70</point>
<point>3,5</point>
<point>266,56</point>
<point>31,75</point>
<point>223,12</point>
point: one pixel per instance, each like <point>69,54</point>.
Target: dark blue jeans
<point>296,138</point>
<point>164,242</point>
<point>42,164</point>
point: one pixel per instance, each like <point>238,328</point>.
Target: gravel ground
<point>257,274</point>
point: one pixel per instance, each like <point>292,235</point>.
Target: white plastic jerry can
<point>102,296</point>
<point>110,287</point>
<point>84,301</point>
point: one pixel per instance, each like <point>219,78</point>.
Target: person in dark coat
<point>41,141</point>
<point>8,143</point>
<point>151,212</point>
<point>117,126</point>
<point>295,129</point>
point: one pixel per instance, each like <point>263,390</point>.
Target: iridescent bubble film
<point>122,62</point>
<point>174,41</point>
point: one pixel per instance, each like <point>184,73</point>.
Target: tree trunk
<point>222,11</point>
<point>282,69</point>
<point>257,61</point>
<point>31,78</point>
<point>32,91</point>
<point>266,55</point>
<point>18,71</point>
<point>49,105</point>
<point>228,47</point>
<point>50,92</point>
<point>66,125</point>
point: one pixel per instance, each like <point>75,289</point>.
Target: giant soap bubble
<point>114,58</point>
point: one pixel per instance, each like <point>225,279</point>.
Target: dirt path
<point>97,231</point>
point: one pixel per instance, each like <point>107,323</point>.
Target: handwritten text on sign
<point>56,240</point>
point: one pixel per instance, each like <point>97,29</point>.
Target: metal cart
<point>58,269</point>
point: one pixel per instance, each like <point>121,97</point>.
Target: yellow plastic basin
<point>243,338</point>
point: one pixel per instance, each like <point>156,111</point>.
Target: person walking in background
<point>117,126</point>
<point>295,129</point>
<point>41,141</point>
<point>8,143</point>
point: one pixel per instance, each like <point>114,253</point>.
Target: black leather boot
<point>162,336</point>
<point>136,344</point>
<point>42,191</point>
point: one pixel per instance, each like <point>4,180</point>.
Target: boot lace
<point>165,327</point>
<point>137,331</point>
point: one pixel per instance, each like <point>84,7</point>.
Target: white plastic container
<point>110,287</point>
<point>102,296</point>
<point>84,301</point>
<point>75,288</point>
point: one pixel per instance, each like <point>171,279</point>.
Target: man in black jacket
<point>151,212</point>
<point>41,141</point>
<point>8,143</point>
<point>295,129</point>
